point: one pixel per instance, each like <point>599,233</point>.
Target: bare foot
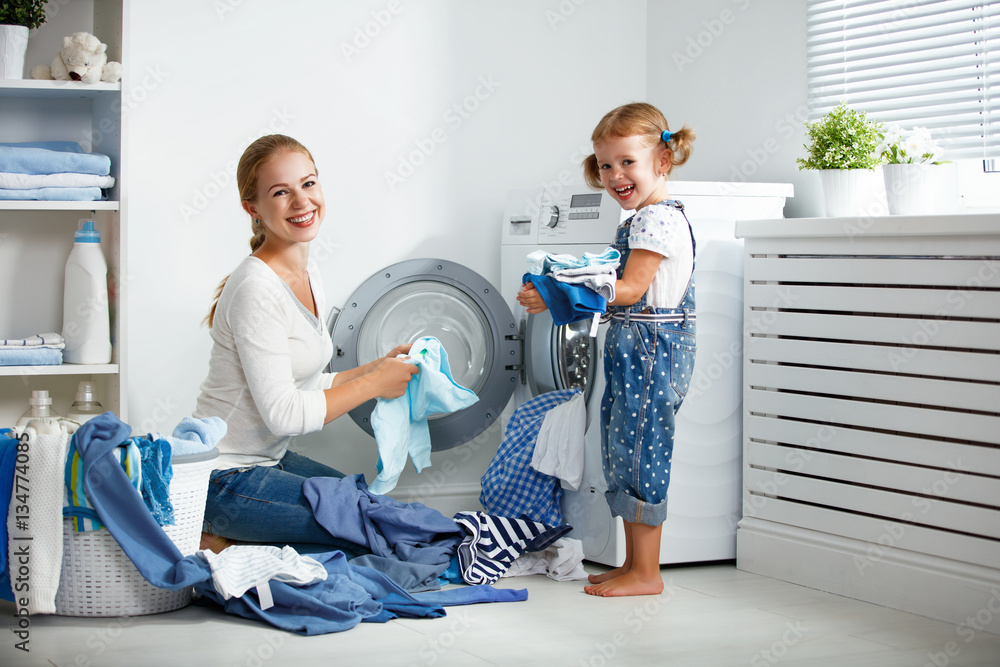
<point>629,583</point>
<point>610,574</point>
<point>214,543</point>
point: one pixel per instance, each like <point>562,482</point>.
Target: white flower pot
<point>850,192</point>
<point>908,189</point>
<point>13,44</point>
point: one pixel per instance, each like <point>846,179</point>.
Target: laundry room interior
<point>835,496</point>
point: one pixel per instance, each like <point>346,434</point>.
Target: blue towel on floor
<point>27,160</point>
<point>53,194</point>
<point>567,302</point>
<point>31,356</point>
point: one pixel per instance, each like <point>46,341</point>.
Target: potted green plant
<point>17,17</point>
<point>844,148</point>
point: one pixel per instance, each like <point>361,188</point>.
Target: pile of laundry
<point>40,350</point>
<point>574,288</point>
<point>412,550</point>
<point>53,171</point>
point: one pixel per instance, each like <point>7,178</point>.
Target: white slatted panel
<point>872,385</point>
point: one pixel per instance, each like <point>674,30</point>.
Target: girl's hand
<point>531,299</point>
<point>392,375</point>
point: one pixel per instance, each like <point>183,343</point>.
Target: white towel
<point>237,569</point>
<point>52,340</point>
<point>11,181</point>
<point>559,444</point>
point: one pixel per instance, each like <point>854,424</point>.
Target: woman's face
<point>289,198</point>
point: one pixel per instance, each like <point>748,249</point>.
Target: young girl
<point>265,376</point>
<point>650,344</point>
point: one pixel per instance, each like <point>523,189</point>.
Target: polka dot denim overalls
<point>648,358</point>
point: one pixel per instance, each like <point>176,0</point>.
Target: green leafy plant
<point>843,139</point>
<point>29,13</point>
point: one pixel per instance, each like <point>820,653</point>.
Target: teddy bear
<point>82,58</point>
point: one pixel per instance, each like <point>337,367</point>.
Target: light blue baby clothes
<point>545,263</point>
<point>400,424</point>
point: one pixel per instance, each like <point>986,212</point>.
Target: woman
<point>265,377</point>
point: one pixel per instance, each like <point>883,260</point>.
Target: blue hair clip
<point>665,135</point>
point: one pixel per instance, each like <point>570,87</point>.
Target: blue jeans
<point>265,505</point>
<point>647,370</point>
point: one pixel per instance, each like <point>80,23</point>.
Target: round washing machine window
<point>434,297</point>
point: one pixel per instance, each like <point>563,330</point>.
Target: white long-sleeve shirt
<point>265,377</point>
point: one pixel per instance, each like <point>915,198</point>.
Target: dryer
<point>704,499</point>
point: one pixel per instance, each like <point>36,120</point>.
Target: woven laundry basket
<point>98,579</point>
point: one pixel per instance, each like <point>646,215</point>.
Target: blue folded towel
<point>31,356</point>
<point>566,301</point>
<point>29,160</point>
<point>53,194</point>
<point>197,436</point>
<point>64,146</point>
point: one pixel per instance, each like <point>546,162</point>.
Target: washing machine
<point>456,305</point>
<point>704,499</point>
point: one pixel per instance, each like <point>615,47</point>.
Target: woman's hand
<point>391,376</point>
<point>531,299</point>
<point>398,350</point>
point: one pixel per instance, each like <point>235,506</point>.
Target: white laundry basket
<point>98,579</point>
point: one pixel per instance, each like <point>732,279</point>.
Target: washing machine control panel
<point>574,214</point>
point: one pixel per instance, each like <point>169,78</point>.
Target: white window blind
<point>917,63</point>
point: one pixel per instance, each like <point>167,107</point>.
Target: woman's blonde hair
<point>257,154</point>
<point>637,119</point>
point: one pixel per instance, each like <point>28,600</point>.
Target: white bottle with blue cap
<point>86,317</point>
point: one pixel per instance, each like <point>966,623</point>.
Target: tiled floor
<point>712,615</point>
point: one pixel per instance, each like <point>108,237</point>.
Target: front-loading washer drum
<point>435,297</point>
<point>559,357</point>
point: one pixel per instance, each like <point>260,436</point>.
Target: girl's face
<point>632,171</point>
<point>289,199</point>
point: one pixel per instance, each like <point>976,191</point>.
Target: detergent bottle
<point>40,408</point>
<point>86,317</point>
<point>86,406</point>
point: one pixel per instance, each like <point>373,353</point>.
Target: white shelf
<point>55,89</point>
<point>22,205</point>
<point>62,369</point>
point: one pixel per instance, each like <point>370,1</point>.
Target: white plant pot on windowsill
<point>852,192</point>
<point>908,188</point>
<point>13,45</point>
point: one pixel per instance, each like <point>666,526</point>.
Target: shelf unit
<point>37,236</point>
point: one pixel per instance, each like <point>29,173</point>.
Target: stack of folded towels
<point>42,350</point>
<point>53,171</point>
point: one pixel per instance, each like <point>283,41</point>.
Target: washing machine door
<point>559,357</point>
<point>434,297</point>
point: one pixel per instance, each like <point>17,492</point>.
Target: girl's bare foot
<point>214,543</point>
<point>610,574</point>
<point>630,583</point>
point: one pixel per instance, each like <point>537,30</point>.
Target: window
<point>926,63</point>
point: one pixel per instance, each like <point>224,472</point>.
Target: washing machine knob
<point>550,215</point>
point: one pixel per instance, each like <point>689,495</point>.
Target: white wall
<point>204,79</point>
<point>735,71</point>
